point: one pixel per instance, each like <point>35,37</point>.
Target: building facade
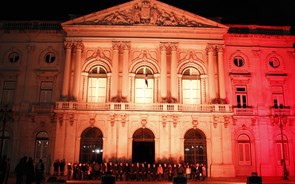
<point>147,82</point>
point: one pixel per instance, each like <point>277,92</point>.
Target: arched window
<point>144,85</point>
<point>41,145</point>
<point>280,141</point>
<point>244,150</point>
<point>5,142</point>
<point>91,147</point>
<point>191,86</point>
<point>195,147</point>
<point>97,84</point>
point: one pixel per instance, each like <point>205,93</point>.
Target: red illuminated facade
<point>147,82</point>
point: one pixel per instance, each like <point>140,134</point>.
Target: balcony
<point>155,107</point>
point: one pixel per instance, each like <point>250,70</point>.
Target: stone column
<point>132,92</point>
<point>115,77</point>
<point>125,76</point>
<point>163,76</point>
<point>174,82</point>
<point>77,71</point>
<point>210,50</point>
<point>67,69</point>
<point>222,94</point>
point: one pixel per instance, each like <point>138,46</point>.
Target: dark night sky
<point>260,12</point>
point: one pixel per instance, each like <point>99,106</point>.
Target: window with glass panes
<point>46,90</point>
<point>144,86</point>
<point>41,145</point>
<point>244,150</point>
<point>281,150</point>
<point>97,84</point>
<point>191,87</point>
<point>8,92</point>
<point>241,96</point>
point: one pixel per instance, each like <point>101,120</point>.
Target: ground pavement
<point>237,180</point>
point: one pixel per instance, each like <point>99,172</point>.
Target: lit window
<point>41,146</point>
<point>191,87</point>
<point>97,84</point>
<point>144,85</point>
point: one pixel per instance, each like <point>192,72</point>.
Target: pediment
<point>145,13</point>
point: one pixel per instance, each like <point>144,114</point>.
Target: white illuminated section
<point>144,92</point>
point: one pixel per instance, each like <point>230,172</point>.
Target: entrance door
<point>143,152</point>
<point>143,146</point>
<point>91,147</point>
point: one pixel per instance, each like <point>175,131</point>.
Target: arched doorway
<point>195,150</point>
<point>143,146</point>
<point>91,147</point>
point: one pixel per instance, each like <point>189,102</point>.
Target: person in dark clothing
<point>62,165</point>
<point>3,169</point>
<point>56,167</point>
<point>19,170</point>
<point>30,171</point>
<point>39,172</point>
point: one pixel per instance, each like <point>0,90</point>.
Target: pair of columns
<point>78,46</point>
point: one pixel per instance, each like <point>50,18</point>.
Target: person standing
<point>39,172</point>
<point>4,169</point>
<point>30,171</point>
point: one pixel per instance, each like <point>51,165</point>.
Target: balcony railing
<point>222,108</point>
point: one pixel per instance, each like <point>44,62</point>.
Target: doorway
<point>143,146</point>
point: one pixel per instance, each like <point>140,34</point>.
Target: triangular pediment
<point>145,13</point>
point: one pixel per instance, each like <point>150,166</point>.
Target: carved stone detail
<point>145,13</point>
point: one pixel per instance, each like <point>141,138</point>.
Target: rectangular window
<point>97,89</point>
<point>46,90</point>
<point>280,153</point>
<point>241,96</point>
<point>144,90</point>
<point>191,91</point>
<point>244,153</point>
<point>277,96</point>
<point>8,92</point>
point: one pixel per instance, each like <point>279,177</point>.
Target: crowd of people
<point>135,171</point>
<point>28,172</point>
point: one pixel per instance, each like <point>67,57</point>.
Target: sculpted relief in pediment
<point>145,13</point>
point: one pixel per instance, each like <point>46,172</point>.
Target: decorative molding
<point>145,13</point>
<point>174,120</point>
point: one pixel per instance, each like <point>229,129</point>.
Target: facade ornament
<point>71,118</point>
<point>78,45</point>
<point>174,118</point>
<point>195,123</point>
<point>92,120</point>
<point>226,121</point>
<point>123,119</point>
<point>68,45</point>
<point>143,123</point>
<point>143,120</point>
<point>145,13</point>
<point>253,121</point>
<point>215,120</point>
<point>33,118</point>
<point>164,120</point>
<point>60,118</point>
<point>112,119</point>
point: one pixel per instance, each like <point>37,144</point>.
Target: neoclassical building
<point>148,82</point>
